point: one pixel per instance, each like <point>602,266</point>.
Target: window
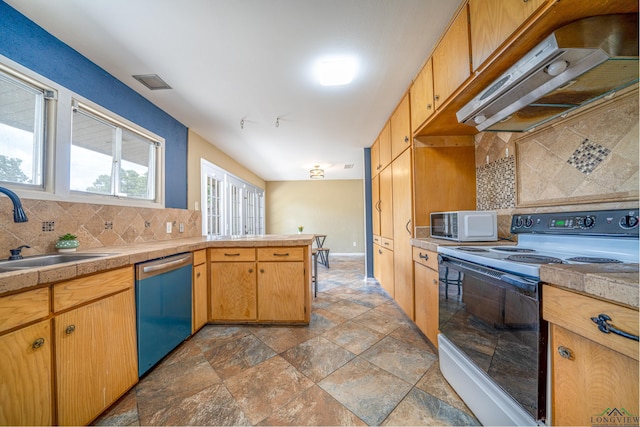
<point>231,206</point>
<point>23,107</point>
<point>110,159</point>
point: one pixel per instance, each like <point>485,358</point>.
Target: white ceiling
<point>229,60</point>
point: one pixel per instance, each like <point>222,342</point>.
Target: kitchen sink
<point>45,260</point>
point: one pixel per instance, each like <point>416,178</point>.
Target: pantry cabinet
<point>402,232</point>
<point>26,371</point>
<point>593,374</point>
<point>95,345</point>
<point>401,128</point>
<point>426,292</point>
<point>375,158</point>
<point>451,59</point>
<point>421,96</point>
<point>199,303</point>
<point>385,205</point>
<point>375,204</point>
<point>385,147</point>
<point>492,22</point>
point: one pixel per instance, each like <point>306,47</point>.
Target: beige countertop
<point>120,256</point>
<point>617,283</point>
<point>612,282</point>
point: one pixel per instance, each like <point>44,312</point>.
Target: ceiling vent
<point>152,81</point>
<point>348,166</point>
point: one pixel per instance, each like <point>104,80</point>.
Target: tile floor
<point>359,362</point>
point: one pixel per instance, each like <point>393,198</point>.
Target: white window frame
<point>57,150</point>
<point>233,218</point>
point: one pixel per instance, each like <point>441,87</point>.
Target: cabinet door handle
<point>262,270</point>
<point>226,254</point>
<point>406,139</point>
<point>424,257</point>
<point>435,282</point>
<point>275,254</point>
<point>565,352</point>
<point>251,270</point>
<point>428,106</point>
<point>606,328</point>
<point>70,329</point>
<point>378,206</point>
<point>437,97</point>
<point>380,251</point>
<point>198,274</point>
<point>37,343</point>
<point>406,227</point>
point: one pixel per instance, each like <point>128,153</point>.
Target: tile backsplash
<point>95,225</point>
<point>588,161</point>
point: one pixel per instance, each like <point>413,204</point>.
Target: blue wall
<point>26,43</point>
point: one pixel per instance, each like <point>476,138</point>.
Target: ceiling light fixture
<point>278,122</point>
<point>316,172</point>
<point>336,71</point>
<point>152,81</point>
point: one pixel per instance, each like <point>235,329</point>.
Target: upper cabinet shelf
<point>484,39</point>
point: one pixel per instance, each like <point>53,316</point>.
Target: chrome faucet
<point>16,253</point>
<point>18,212</point>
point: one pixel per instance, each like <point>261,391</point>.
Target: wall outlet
<point>181,228</point>
<point>197,206</point>
<point>169,227</point>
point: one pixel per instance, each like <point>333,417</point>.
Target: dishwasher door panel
<point>163,314</point>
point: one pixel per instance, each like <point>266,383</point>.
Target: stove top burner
<point>535,259</point>
<point>472,249</point>
<point>594,260</point>
<point>513,249</point>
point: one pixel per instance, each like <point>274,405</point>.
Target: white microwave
<point>465,226</point>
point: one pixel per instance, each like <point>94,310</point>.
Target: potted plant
<point>67,243</point>
<point>300,228</point>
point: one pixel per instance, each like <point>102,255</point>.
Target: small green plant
<point>300,228</point>
<point>67,236</point>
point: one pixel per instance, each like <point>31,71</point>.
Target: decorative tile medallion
<point>588,156</point>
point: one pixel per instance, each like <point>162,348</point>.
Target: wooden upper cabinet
<point>451,59</point>
<point>493,21</point>
<point>401,128</point>
<point>421,96</point>
<point>385,146</point>
<point>375,158</point>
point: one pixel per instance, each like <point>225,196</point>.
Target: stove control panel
<point>619,222</point>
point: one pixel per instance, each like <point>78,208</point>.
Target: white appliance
<point>465,226</point>
<point>493,341</point>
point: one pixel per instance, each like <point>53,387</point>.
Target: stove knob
<point>629,221</point>
<point>518,222</point>
<point>528,223</point>
<point>586,222</point>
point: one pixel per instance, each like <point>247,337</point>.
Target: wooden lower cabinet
<point>26,376</point>
<point>402,233</point>
<point>281,291</point>
<point>594,375</point>
<point>233,291</point>
<point>591,382</point>
<point>200,283</point>
<point>383,268</point>
<point>426,293</point>
<point>260,285</point>
<point>96,358</point>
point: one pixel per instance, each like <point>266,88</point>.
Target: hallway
<point>359,362</point>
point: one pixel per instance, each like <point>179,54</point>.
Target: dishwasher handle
<point>153,268</point>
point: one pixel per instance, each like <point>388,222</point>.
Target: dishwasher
<point>163,307</point>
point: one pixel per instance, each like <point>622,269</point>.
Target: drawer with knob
<point>611,325</point>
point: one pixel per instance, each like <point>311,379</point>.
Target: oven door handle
<point>520,282</point>
<point>524,284</point>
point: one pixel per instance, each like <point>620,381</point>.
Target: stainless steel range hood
<point>576,64</point>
